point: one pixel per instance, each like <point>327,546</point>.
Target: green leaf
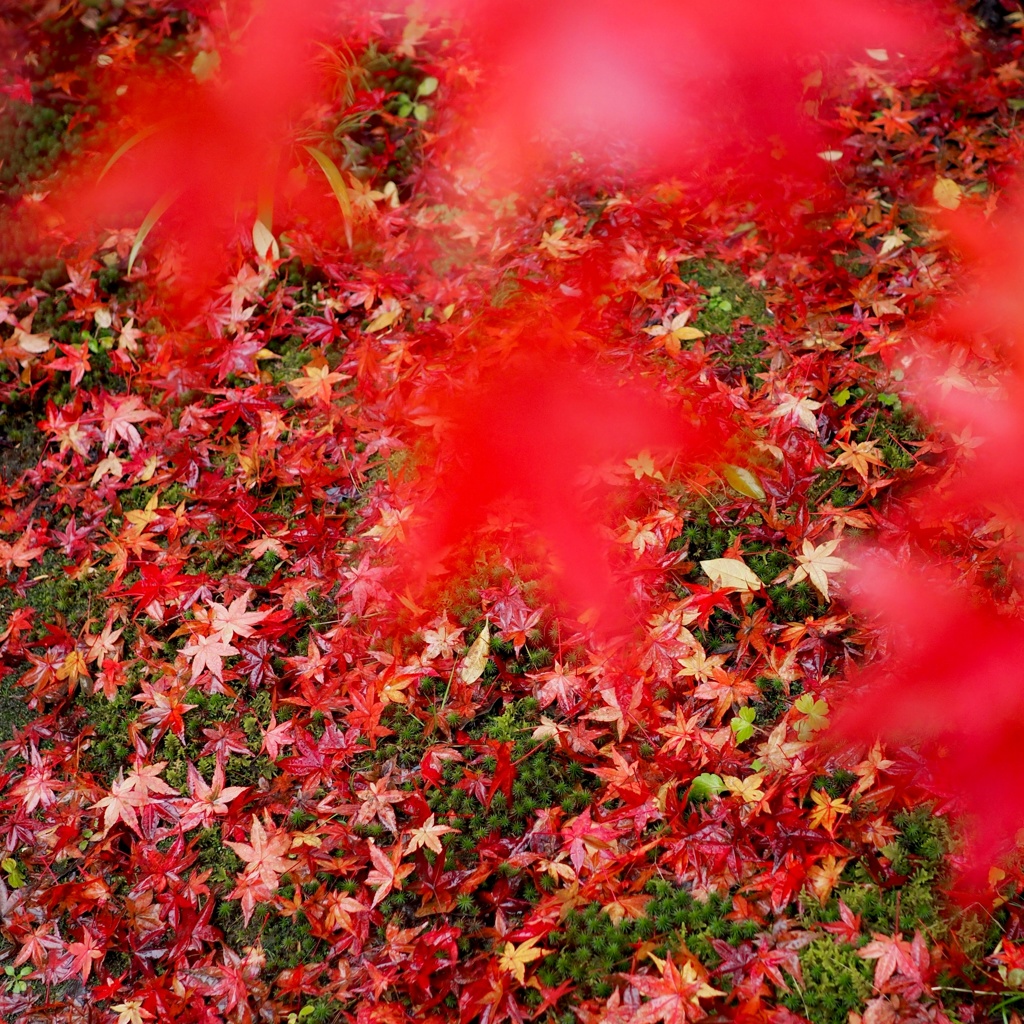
<point>427,87</point>
<point>743,724</point>
<point>842,398</point>
<point>156,212</point>
<point>338,187</point>
<point>706,785</point>
<point>743,481</point>
<point>205,65</point>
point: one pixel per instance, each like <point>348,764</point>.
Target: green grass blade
<point>130,144</point>
<point>338,187</point>
<point>155,213</point>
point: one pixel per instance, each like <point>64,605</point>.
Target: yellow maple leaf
<point>801,409</point>
<point>824,876</point>
<point>621,907</point>
<point>748,789</point>
<point>816,562</point>
<point>130,1012</point>
<point>827,809</point>
<point>671,332</point>
<point>515,958</point>
<point>643,465</point>
<point>429,835</point>
<point>316,383</point>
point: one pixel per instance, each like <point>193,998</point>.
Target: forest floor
<point>253,769</point>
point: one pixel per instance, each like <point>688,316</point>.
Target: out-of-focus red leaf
<point>210,146</point>
<point>663,84</point>
<point>951,676</point>
<point>520,440</point>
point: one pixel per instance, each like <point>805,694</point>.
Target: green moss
<point>33,137</point>
<point>106,722</point>
<point>825,481</point>
<point>55,596</point>
<point>14,712</point>
<point>728,296</point>
<point>590,949</point>
<point>21,442</point>
<point>836,981</point>
<point>920,852</point>
<point>775,699</point>
<point>836,784</point>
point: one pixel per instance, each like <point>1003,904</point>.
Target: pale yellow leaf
<point>263,241</point>
<point>947,193</point>
<point>743,481</point>
<point>731,574</point>
<point>475,662</point>
<point>816,563</point>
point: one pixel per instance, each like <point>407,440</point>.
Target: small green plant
<point>12,869</point>
<point>16,979</point>
<point>306,1011</point>
<point>742,724</point>
<point>406,105</point>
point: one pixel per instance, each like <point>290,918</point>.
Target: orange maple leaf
<point>387,872</point>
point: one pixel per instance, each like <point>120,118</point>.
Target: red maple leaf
<point>388,871</point>
<point>674,997</point>
<point>847,927</point>
<point>264,854</point>
<point>84,954</point>
<point>891,953</point>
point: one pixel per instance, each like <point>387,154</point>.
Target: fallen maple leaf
<point>891,953</point>
<point>620,908</point>
<point>208,801</point>
<point>428,835</point>
<point>477,656</point>
<point>815,563</point>
<point>206,652</point>
<point>515,959</point>
<point>801,409</point>
<point>388,871</point>
<point>748,789</point>
<point>234,619</point>
<point>316,384</point>
<point>731,574</point>
<point>674,997</point>
<point>264,854</point>
<point>21,554</point>
<point>859,457</point>
<point>376,801</point>
<point>827,810</point>
<point>84,954</point>
<point>119,416</point>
